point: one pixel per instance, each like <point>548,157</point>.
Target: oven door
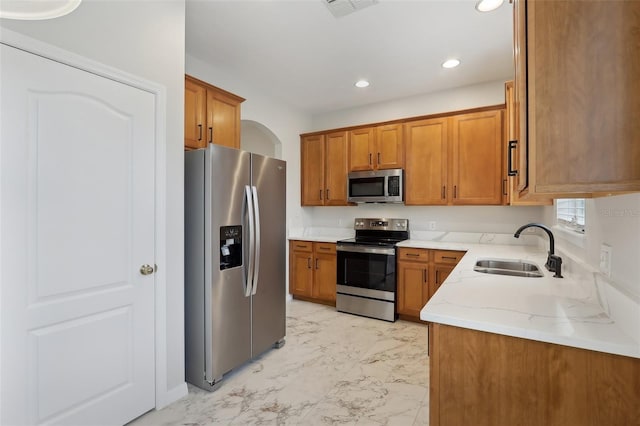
<point>367,267</point>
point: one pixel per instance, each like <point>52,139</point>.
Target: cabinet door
<point>441,272</point>
<point>361,146</point>
<point>301,273</point>
<point>312,170</point>
<point>223,119</point>
<point>389,152</point>
<point>195,98</point>
<point>336,169</point>
<point>324,273</point>
<point>426,144</point>
<point>477,158</point>
<point>583,60</point>
<point>520,95</point>
<point>512,156</point>
<point>413,289</point>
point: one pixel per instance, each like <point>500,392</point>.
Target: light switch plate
<point>432,226</point>
<point>605,259</point>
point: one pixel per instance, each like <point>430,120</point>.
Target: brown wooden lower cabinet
<point>312,271</point>
<point>420,273</point>
<point>486,379</point>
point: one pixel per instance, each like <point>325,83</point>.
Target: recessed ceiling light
<point>488,5</point>
<point>36,10</point>
<point>450,63</point>
<point>362,83</point>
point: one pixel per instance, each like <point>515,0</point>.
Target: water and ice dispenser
<point>230,246</point>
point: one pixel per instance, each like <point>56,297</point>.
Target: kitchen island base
<point>482,378</point>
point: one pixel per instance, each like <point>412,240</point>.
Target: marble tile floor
<point>335,368</point>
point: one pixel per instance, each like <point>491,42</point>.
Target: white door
<point>77,223</point>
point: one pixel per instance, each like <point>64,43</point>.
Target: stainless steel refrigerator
<point>234,260</point>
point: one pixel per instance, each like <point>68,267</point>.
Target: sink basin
<point>516,268</point>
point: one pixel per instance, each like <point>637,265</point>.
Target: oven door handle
<point>390,251</point>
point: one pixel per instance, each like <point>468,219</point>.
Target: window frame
<point>573,218</point>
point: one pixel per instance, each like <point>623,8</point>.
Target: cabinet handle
<point>455,191</point>
<point>210,134</point>
<point>444,192</point>
<point>369,158</point>
<point>308,263</point>
<point>199,132</point>
<point>449,257</point>
<point>510,171</point>
<point>321,194</point>
<point>323,248</point>
<point>437,277</point>
<point>316,263</point>
<point>424,275</point>
<point>378,158</point>
<point>300,246</point>
<point>504,187</point>
<point>327,194</point>
<point>412,254</point>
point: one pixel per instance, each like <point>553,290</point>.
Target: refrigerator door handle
<point>256,235</point>
<point>248,283</point>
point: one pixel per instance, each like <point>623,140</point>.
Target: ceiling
<point>298,52</point>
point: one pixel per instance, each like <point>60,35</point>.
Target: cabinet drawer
<point>301,245</point>
<point>416,255</point>
<point>447,256</point>
<point>325,248</point>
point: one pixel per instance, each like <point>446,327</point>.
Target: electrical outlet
<point>432,226</point>
<point>605,259</point>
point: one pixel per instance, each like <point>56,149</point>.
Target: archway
<point>256,137</point>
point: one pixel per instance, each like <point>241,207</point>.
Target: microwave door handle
<point>256,235</point>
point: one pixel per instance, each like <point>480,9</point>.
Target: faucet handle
<point>554,264</point>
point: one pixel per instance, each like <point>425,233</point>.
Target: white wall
<point>490,219</point>
<point>146,39</point>
<point>479,95</point>
<point>615,221</point>
<point>254,137</point>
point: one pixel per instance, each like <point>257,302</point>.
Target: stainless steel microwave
<point>376,186</point>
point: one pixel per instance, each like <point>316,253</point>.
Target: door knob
<point>147,269</point>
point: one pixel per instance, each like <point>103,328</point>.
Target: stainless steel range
<point>367,268</point>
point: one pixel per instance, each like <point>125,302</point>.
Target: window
<point>570,213</point>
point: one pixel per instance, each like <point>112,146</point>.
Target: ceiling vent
<point>344,7</point>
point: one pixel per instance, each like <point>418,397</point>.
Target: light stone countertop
<point>321,235</point>
<point>567,311</point>
<point>318,238</point>
<point>580,310</point>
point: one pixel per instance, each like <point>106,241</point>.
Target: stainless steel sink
<point>516,268</point>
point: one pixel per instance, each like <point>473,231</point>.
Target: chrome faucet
<point>554,263</point>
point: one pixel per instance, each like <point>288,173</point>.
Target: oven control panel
<point>382,224</point>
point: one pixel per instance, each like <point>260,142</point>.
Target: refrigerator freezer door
<point>227,309</point>
<point>268,303</point>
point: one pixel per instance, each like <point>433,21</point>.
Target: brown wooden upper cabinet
<point>211,115</point>
<point>476,158</point>
<point>324,163</point>
<point>455,160</point>
<point>578,91</point>
<point>512,154</point>
<point>426,162</point>
<point>376,148</point>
